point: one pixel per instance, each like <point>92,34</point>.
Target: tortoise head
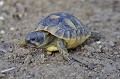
<point>34,39</point>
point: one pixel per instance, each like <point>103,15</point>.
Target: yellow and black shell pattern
<point>65,26</point>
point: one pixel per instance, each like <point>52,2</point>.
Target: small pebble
<point>2,18</point>
<point>3,50</point>
<point>101,46</point>
<point>97,77</point>
<point>2,75</point>
<point>110,68</point>
<point>2,31</point>
<point>91,49</point>
<point>42,56</point>
<point>111,43</point>
<point>116,53</point>
<point>1,3</point>
<point>98,42</point>
<point>11,77</point>
<point>47,64</point>
<point>28,60</point>
<point>12,28</point>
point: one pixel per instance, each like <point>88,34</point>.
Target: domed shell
<point>64,26</point>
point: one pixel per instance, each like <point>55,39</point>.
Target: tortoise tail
<point>96,35</point>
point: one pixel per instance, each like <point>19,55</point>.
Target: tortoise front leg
<point>63,50</point>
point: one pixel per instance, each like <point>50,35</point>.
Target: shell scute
<point>59,32</point>
<point>67,34</point>
<point>63,25</point>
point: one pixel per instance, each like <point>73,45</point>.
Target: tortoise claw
<point>49,53</point>
<point>23,44</point>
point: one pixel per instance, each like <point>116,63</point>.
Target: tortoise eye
<point>33,39</point>
<point>40,40</point>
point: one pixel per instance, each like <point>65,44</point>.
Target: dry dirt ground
<point>100,59</point>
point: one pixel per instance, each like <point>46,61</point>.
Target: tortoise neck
<point>48,38</point>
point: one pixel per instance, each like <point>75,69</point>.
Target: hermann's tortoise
<point>59,32</point>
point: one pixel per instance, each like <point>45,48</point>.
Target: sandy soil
<point>102,58</point>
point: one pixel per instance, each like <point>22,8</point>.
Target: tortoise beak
<point>23,44</point>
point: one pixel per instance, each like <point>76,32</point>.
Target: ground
<point>99,59</point>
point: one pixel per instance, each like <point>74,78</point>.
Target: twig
<point>7,70</point>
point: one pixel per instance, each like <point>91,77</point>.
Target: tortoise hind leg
<point>63,50</point>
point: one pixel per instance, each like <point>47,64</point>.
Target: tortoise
<point>59,32</point>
